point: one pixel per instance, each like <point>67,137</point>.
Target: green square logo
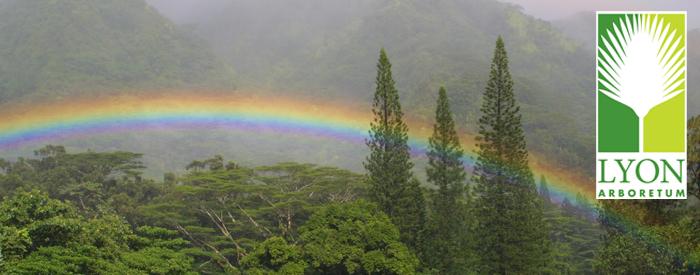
<point>641,105</point>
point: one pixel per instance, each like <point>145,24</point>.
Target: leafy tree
<point>39,235</point>
<point>227,211</point>
<point>627,249</point>
<point>340,238</point>
<point>511,230</point>
<point>446,246</point>
<point>694,156</point>
<point>391,183</point>
<point>95,182</point>
<point>275,256</point>
<point>660,236</point>
<point>355,238</point>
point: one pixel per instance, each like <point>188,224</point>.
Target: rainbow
<point>31,123</point>
<point>26,124</point>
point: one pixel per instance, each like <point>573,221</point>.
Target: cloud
<point>557,9</point>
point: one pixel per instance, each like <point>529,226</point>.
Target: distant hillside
<point>330,47</point>
<point>580,26</point>
<point>693,72</point>
<point>52,49</point>
<point>313,48</point>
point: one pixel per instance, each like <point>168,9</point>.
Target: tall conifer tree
<point>447,247</point>
<point>544,190</point>
<point>388,166</point>
<point>511,232</point>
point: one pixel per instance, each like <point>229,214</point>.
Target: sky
<point>558,9</point>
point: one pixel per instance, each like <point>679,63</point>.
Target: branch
<point>221,224</point>
<point>257,225</point>
<point>201,243</point>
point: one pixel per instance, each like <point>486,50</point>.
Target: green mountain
<point>329,48</point>
<point>693,69</point>
<point>322,48</point>
<point>52,49</point>
<point>580,27</point>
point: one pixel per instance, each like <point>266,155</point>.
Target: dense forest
<point>94,213</point>
<point>238,202</point>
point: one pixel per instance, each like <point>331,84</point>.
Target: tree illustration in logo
<point>641,64</point>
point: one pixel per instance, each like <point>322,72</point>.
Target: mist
<point>557,10</point>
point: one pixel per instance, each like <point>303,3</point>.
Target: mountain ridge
<point>62,48</point>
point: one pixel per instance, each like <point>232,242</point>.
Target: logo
<point>641,105</point>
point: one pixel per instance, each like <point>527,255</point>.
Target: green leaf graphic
<point>641,64</point>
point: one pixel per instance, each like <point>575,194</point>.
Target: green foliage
<point>574,238</point>
<point>355,238</point>
<point>694,156</point>
<point>63,48</point>
<point>625,255</point>
<point>447,245</point>
<point>227,209</point>
<point>391,183</point>
<point>511,231</point>
<point>95,182</point>
<point>340,238</point>
<point>543,190</point>
<point>40,235</point>
<point>656,235</point>
<point>275,256</point>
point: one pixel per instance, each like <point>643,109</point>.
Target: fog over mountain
<point>556,10</point>
<point>304,48</point>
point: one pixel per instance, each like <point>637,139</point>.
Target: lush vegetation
<point>78,213</point>
<point>56,49</point>
<point>96,213</point>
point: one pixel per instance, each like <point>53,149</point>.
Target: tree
<point>95,182</point>
<point>354,238</point>
<point>694,156</point>
<point>226,212</point>
<point>511,231</point>
<point>544,190</point>
<point>39,235</point>
<point>388,166</point>
<point>574,239</point>
<point>340,238</point>
<point>659,236</point>
<point>446,247</point>
<point>628,248</point>
<point>275,256</point>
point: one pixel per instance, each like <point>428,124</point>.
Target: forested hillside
<point>307,49</point>
<point>280,45</point>
<point>57,49</point>
<point>70,213</point>
<point>91,212</point>
<point>172,188</point>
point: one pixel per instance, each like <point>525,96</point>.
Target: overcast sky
<point>557,9</point>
